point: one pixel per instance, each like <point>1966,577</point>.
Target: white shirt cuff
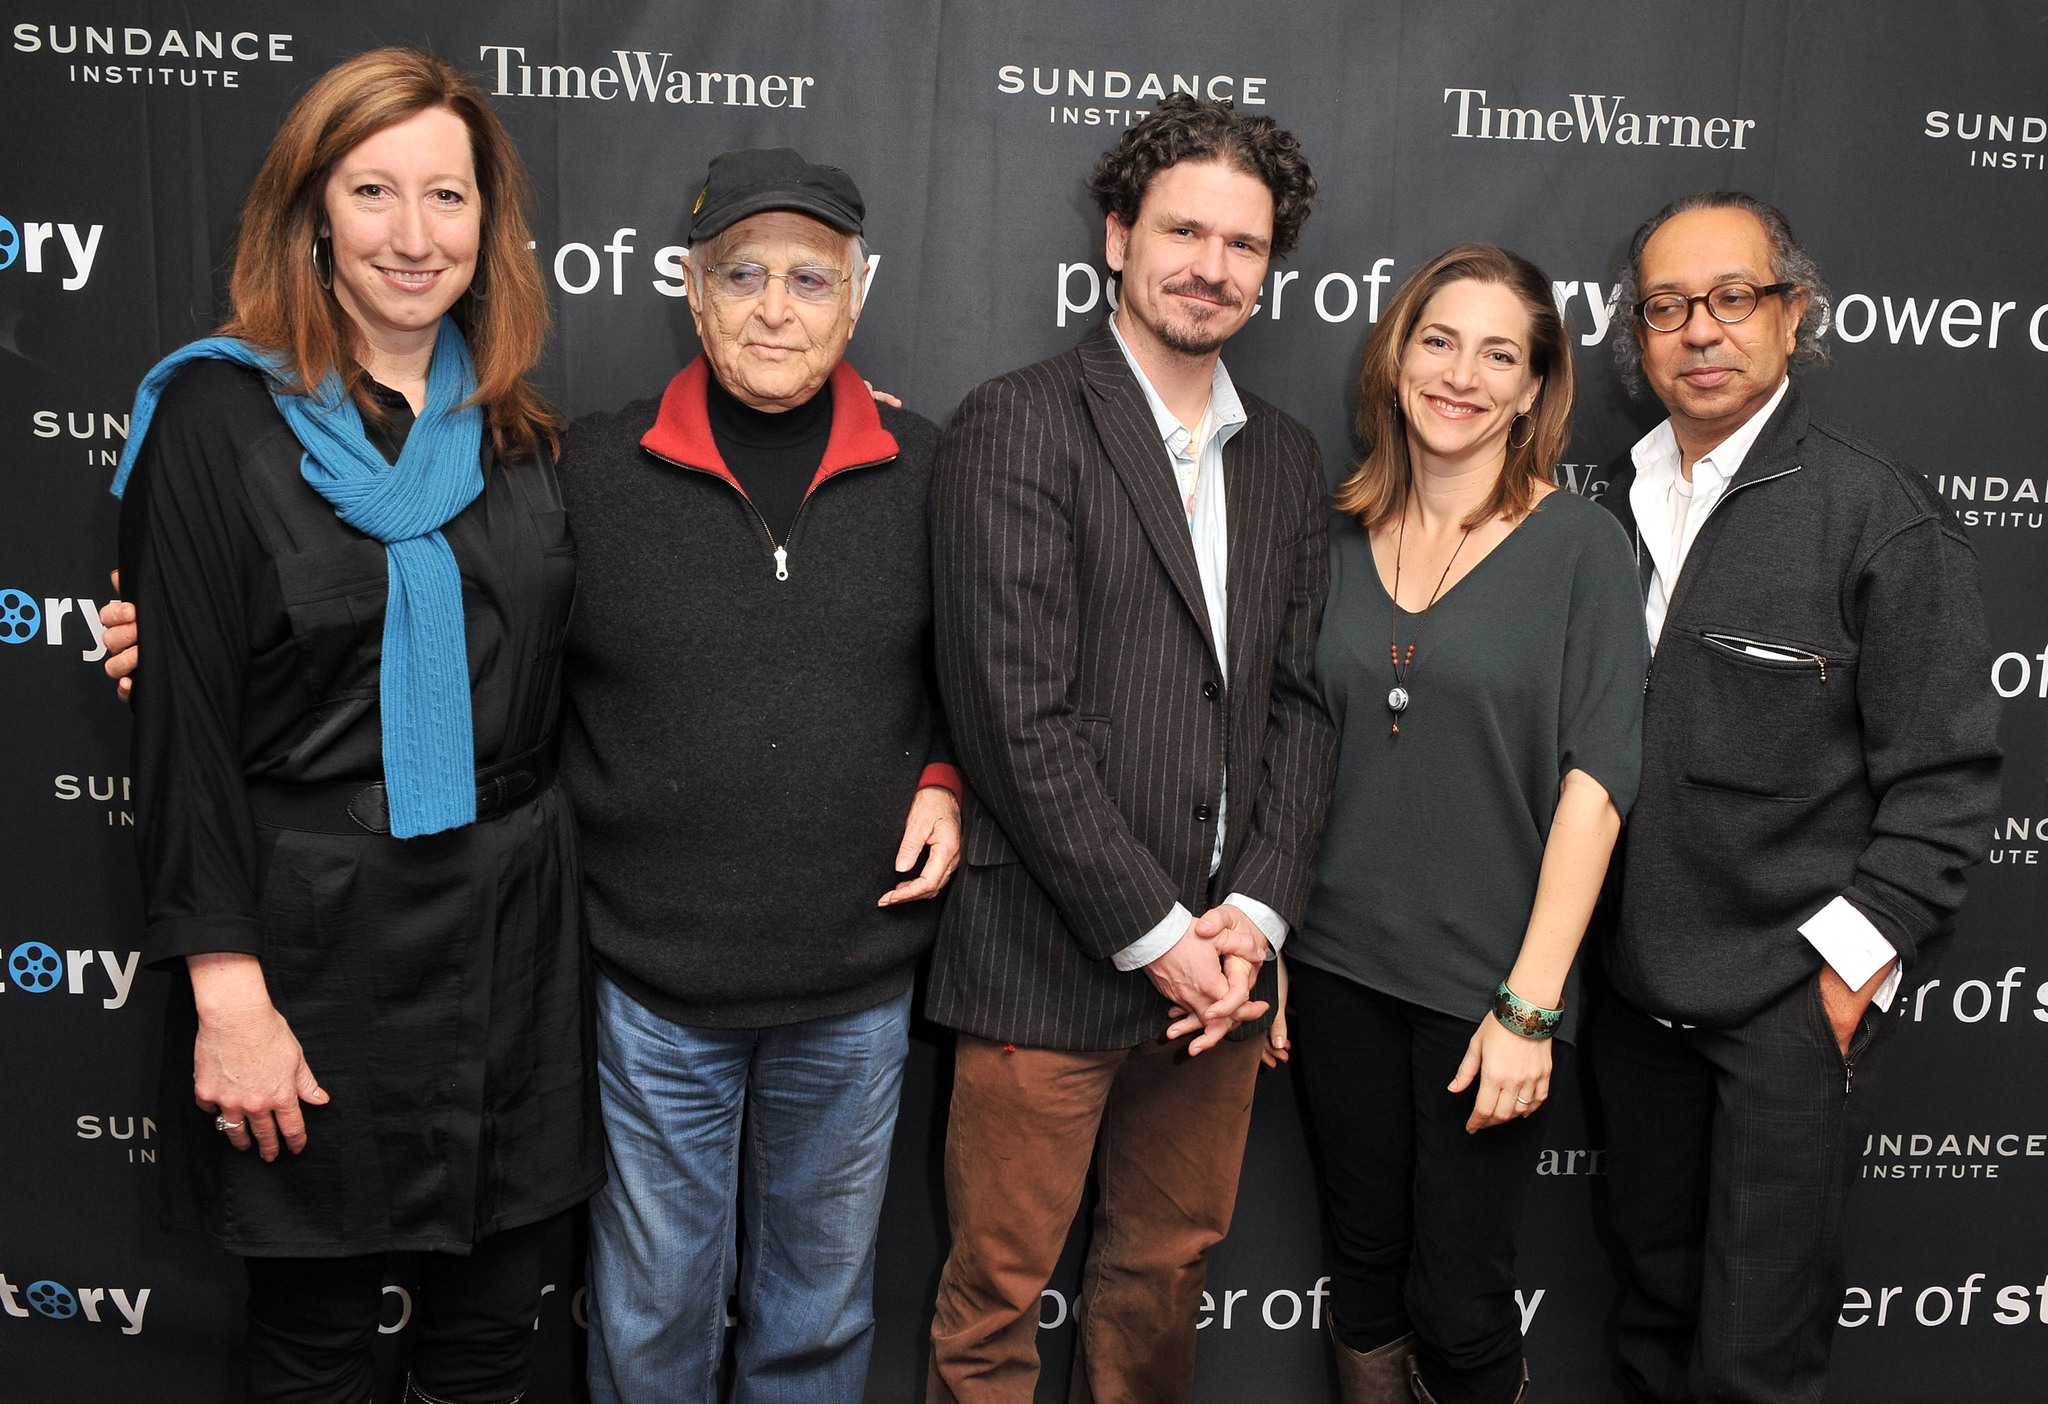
<point>1883,998</point>
<point>1263,917</point>
<point>1156,942</point>
<point>1853,947</point>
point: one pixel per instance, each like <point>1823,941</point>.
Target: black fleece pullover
<point>743,738</point>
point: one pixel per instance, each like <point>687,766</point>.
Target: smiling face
<point>1465,373</point>
<point>771,350</point>
<point>1193,264</point>
<point>1712,375</point>
<point>406,220</point>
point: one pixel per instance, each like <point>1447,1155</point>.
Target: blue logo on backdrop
<point>35,967</point>
<point>18,615</point>
<point>60,1303</point>
<point>24,616</point>
<point>45,246</point>
<point>52,1299</point>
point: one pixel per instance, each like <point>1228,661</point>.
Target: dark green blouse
<point>1530,667</point>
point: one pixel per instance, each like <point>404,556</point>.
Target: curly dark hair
<point>1185,128</point>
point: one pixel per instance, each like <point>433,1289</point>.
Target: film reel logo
<point>34,967</point>
<point>52,1299</point>
<point>25,616</point>
<point>21,619</point>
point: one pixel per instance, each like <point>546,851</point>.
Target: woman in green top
<point>1483,655</point>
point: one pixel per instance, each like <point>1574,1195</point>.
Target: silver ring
<point>1523,1100</point>
<point>221,1123</point>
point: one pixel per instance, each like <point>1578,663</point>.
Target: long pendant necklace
<point>1397,700</point>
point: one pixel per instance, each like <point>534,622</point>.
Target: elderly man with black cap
<point>751,718</point>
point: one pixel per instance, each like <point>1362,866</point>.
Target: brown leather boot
<point>1422,1394</point>
<point>1374,1376</point>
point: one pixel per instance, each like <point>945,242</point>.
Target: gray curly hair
<point>1790,263</point>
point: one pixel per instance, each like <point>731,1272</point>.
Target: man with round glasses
<point>1728,302</point>
<point>750,717</point>
<point>1820,765</point>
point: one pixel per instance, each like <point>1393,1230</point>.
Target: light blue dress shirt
<point>1197,458</point>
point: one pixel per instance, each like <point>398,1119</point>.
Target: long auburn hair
<point>279,302</point>
<point>1377,489</point>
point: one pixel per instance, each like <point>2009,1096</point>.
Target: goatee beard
<point>1187,343</point>
<point>1191,341</point>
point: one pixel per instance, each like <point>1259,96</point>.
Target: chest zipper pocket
<point>1769,652</point>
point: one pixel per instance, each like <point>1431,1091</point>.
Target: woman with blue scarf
<point>341,517</point>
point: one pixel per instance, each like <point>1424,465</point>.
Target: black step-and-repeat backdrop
<point>1908,143</point>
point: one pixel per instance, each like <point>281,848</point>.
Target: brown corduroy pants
<point>1166,1133</point>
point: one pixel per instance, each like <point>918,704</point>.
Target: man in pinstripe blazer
<point>1129,562</point>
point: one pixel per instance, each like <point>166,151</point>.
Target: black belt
<point>349,807</point>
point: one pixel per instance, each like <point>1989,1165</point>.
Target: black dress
<point>437,984</point>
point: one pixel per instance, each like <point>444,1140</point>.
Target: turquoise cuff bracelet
<point>1528,1020</point>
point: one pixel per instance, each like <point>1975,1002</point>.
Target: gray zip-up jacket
<point>1868,769</point>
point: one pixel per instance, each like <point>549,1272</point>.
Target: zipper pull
<point>1823,670</point>
<point>782,564</point>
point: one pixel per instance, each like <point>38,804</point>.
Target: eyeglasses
<point>1728,302</point>
<point>744,280</point>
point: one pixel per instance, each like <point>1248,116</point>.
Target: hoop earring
<point>323,272</point>
<point>1526,437</point>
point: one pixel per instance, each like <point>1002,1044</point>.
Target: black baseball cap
<point>743,183</point>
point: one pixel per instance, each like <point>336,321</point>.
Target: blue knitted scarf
<point>423,688</point>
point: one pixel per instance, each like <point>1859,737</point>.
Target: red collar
<point>682,431</point>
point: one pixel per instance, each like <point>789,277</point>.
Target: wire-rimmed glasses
<point>744,280</point>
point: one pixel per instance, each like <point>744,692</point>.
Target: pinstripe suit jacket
<point>1089,712</point>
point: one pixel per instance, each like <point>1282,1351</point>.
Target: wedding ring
<point>221,1123</point>
<point>1523,1100</point>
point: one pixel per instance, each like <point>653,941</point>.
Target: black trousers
<point>1730,1153</point>
<point>312,1322</point>
<point>1419,1232</point>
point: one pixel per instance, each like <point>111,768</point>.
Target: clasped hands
<point>1208,976</point>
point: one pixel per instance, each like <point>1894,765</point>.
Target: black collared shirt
<point>435,984</point>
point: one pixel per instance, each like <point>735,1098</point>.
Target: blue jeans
<point>817,1101</point>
